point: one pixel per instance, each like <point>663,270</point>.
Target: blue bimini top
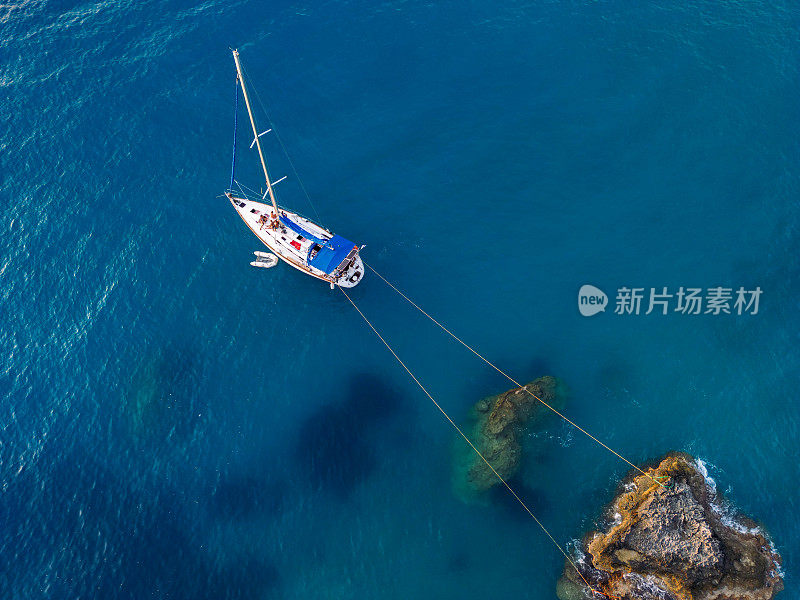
<point>331,255</point>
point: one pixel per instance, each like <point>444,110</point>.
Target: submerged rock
<point>674,543</point>
<point>499,421</point>
<point>163,400</point>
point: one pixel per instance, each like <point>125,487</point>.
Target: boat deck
<point>289,245</point>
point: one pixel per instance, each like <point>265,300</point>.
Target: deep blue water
<point>176,424</point>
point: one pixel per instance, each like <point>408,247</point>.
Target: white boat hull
<point>291,248</point>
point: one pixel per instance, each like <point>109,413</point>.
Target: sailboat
<point>296,240</point>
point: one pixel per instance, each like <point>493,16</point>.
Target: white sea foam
<point>729,515</point>
<point>703,469</point>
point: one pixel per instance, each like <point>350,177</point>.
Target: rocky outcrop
<point>499,422</point>
<point>668,539</point>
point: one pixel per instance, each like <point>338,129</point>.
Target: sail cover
<point>297,229</point>
<point>333,252</point>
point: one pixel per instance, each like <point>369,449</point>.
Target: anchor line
<point>471,445</point>
<point>511,379</point>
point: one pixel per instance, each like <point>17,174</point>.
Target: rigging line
<point>471,445</point>
<point>235,121</point>
<point>253,192</point>
<point>283,147</point>
<point>239,185</point>
<point>249,189</point>
<point>511,379</point>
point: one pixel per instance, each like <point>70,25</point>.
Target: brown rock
<point>672,542</point>
<point>499,422</point>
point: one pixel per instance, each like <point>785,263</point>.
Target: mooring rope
<point>471,445</point>
<point>511,379</point>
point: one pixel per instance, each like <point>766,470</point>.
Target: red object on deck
<point>296,244</point>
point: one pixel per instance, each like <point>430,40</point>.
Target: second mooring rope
<point>511,379</point>
<point>471,445</point>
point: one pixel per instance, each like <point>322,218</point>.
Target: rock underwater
<point>498,426</point>
<point>674,543</point>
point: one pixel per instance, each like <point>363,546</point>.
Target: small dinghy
<point>265,260</point>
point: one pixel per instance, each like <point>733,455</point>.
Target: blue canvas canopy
<point>333,252</point>
<point>297,229</point>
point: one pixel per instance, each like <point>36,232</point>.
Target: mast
<point>255,132</point>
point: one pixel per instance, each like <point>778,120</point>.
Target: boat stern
<point>351,272</point>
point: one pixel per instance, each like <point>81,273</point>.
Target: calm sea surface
<point>175,424</point>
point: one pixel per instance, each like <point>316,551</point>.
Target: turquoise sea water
<point>176,424</point>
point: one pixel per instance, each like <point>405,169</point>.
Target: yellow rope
<point>471,445</point>
<point>511,379</point>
